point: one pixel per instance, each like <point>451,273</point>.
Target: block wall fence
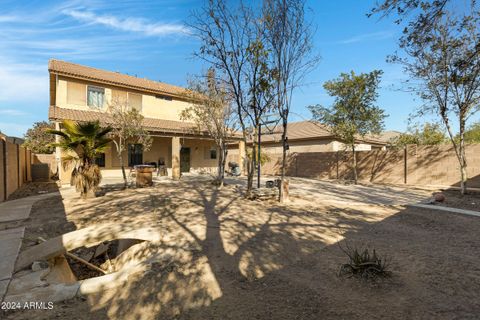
<point>414,165</point>
<point>15,166</point>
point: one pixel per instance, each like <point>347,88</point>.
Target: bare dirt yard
<point>239,259</point>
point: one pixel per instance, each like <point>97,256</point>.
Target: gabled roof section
<point>308,130</point>
<point>114,78</point>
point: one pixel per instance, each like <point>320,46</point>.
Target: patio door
<point>185,159</point>
<point>135,154</point>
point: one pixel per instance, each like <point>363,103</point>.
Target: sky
<point>151,39</point>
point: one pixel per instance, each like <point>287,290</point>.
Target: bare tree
<point>212,111</point>
<point>444,64</point>
<point>127,128</point>
<point>232,43</point>
<point>289,38</point>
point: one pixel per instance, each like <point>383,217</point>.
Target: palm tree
<point>83,142</point>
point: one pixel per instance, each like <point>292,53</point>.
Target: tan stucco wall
<point>161,148</point>
<point>198,160</point>
<point>152,107</point>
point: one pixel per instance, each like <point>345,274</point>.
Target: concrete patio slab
<point>346,194</point>
<point>448,209</point>
<point>3,288</point>
<point>19,209</point>
<point>9,246</point>
<point>10,243</point>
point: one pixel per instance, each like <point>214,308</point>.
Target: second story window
<point>95,97</point>
<point>163,97</point>
<point>135,101</point>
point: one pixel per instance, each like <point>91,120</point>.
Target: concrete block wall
<point>47,159</point>
<point>415,165</point>
<point>15,166</point>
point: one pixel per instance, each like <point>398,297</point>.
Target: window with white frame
<point>95,97</point>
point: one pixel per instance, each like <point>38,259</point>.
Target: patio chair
<point>132,174</point>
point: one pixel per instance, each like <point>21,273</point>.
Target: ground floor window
<point>135,154</point>
<point>100,160</point>
<point>213,153</point>
<point>210,153</point>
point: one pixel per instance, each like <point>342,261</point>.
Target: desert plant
<point>83,142</point>
<point>364,264</point>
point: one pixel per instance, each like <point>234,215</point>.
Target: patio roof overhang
<point>156,127</point>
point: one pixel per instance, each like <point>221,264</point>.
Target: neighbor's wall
<point>72,94</point>
<point>415,165</point>
<point>47,159</point>
<point>15,167</point>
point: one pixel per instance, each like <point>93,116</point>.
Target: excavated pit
<point>84,261</point>
<point>109,256</point>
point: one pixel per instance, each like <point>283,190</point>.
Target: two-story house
<point>81,93</point>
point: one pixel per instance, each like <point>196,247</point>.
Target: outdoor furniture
<point>144,175</point>
<point>234,169</point>
<point>162,168</point>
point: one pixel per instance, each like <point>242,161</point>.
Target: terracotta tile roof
<point>306,130</point>
<point>158,125</point>
<point>113,78</point>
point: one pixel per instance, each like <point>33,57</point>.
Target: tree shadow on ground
<point>224,257</point>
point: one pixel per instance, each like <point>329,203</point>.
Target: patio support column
<point>58,156</point>
<point>241,155</point>
<point>176,158</point>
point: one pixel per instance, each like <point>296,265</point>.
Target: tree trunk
<point>221,165</point>
<point>283,197</point>
<point>463,160</point>
<point>250,173</point>
<point>355,175</point>
<point>125,182</point>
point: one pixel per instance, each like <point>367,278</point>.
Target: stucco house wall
<point>72,94</point>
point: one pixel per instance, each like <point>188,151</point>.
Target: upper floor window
<point>95,97</point>
<point>76,93</point>
<point>135,101</point>
<point>161,96</point>
<point>127,99</point>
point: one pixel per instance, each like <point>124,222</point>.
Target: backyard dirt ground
<point>242,259</point>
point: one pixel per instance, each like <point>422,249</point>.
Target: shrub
<point>364,264</point>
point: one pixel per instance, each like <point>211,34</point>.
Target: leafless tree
<point>232,43</point>
<point>212,111</point>
<point>127,127</point>
<point>289,38</point>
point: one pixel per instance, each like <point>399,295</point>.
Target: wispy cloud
<point>8,18</point>
<point>129,24</point>
<point>12,112</point>
<point>375,36</point>
<point>21,82</point>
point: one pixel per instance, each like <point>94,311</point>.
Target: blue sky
<point>149,39</point>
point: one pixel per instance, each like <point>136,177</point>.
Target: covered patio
<point>178,147</point>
